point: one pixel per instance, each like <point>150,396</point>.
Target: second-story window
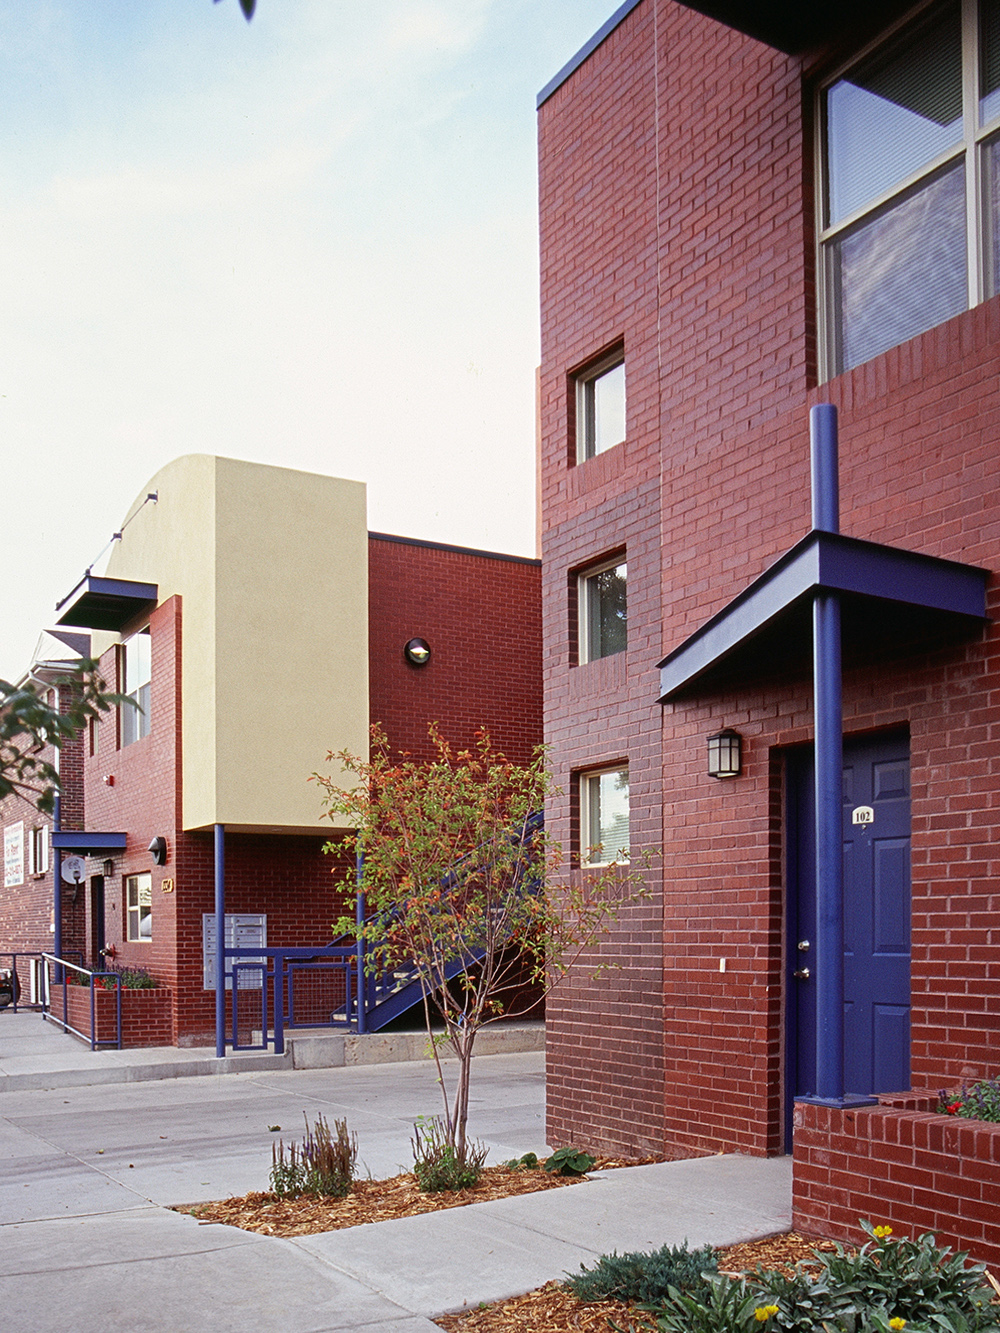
<point>600,406</point>
<point>603,613</point>
<point>911,151</point>
<point>135,675</point>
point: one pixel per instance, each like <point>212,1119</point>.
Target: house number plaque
<point>862,814</point>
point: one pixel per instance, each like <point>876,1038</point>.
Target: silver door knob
<point>802,973</point>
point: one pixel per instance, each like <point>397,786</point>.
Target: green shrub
<point>644,1277</point>
<point>320,1165</point>
<point>569,1162</point>
<point>529,1162</point>
<point>436,1164</point>
<point>981,1101</point>
<point>886,1286</point>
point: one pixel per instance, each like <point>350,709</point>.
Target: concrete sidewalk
<point>88,1240</point>
<point>36,1054</point>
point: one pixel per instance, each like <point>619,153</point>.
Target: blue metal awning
<point>894,602</point>
<point>109,604</point>
<point>87,844</point>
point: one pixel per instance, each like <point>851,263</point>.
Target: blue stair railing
<point>285,988</point>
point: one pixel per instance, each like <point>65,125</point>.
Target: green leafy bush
<point>884,1287</point>
<point>529,1162</point>
<point>981,1101</point>
<point>131,978</point>
<point>437,1165</point>
<point>320,1165</point>
<point>569,1162</point>
<point>644,1277</point>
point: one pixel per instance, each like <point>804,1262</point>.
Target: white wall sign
<point>862,814</point>
<point>13,855</point>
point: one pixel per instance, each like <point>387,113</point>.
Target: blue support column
<point>829,724</point>
<point>359,918</point>
<point>829,966</point>
<point>220,941</point>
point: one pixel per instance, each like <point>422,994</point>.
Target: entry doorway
<point>876,826</point>
<point>96,923</point>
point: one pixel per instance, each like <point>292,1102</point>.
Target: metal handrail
<point>61,964</point>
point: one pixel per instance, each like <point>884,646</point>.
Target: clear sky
<point>309,240</point>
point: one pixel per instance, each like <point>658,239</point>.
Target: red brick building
<point>746,212</point>
<point>259,625</point>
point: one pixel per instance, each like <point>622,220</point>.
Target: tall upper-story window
<point>911,181</point>
<point>135,674</point>
<point>603,614</point>
<point>600,406</point>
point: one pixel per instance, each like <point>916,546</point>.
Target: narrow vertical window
<point>603,611</point>
<point>136,672</point>
<point>604,817</point>
<point>138,907</point>
<point>600,407</point>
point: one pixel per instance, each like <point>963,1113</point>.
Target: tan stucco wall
<point>272,568</point>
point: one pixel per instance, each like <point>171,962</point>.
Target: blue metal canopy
<point>894,602</point>
<point>87,844</point>
<point>109,604</point>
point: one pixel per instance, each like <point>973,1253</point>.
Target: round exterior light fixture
<point>417,652</point>
<point>158,851</point>
<point>725,754</point>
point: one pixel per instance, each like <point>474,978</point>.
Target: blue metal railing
<point>274,989</point>
<point>37,972</point>
<point>95,981</point>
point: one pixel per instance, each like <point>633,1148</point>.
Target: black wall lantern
<point>109,869</point>
<point>725,754</point>
<point>417,652</point>
<point>158,851</point>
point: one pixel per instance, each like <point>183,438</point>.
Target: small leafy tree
<point>457,873</point>
<point>28,724</point>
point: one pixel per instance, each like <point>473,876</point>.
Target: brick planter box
<point>146,1014</point>
<point>898,1163</point>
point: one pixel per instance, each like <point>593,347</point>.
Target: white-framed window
<point>910,181</point>
<point>600,406</point>
<point>603,610</point>
<point>38,850</point>
<point>139,907</point>
<point>604,816</point>
<point>135,676</point>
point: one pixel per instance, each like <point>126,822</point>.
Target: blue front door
<point>876,918</point>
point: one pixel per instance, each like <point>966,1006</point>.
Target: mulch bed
<point>378,1201</point>
<point>553,1309</point>
<point>549,1309</point>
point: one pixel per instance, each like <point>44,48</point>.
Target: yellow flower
<point>764,1312</point>
<point>880,1233</point>
<point>897,1323</point>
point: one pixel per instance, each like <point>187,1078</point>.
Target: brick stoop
<point>898,1163</point>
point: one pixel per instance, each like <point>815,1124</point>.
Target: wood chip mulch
<point>553,1309</point>
<point>377,1201</point>
<point>549,1309</point>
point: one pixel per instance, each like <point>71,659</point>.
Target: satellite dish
<point>74,869</point>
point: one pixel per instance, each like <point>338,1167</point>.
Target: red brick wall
<point>902,1165</point>
<point>676,215</point>
<point>481,616</point>
<point>146,1014</point>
